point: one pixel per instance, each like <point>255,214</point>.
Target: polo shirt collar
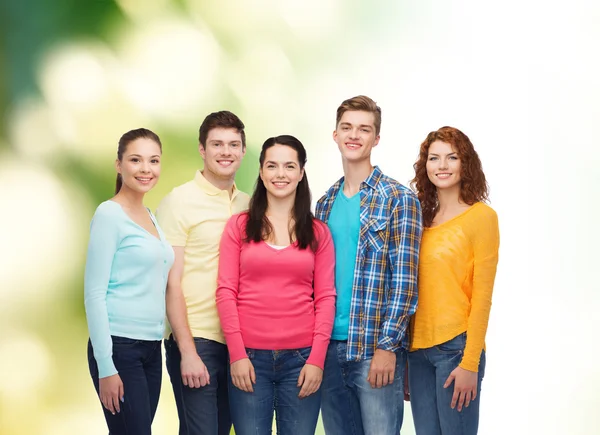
<point>209,188</point>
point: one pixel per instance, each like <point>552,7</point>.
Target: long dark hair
<point>258,227</point>
<point>473,186</point>
<point>125,140</point>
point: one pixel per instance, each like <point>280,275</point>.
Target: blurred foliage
<point>29,27</point>
<point>54,326</point>
<point>74,75</point>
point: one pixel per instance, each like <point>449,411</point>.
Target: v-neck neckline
<point>157,237</point>
<point>272,248</point>
<point>462,213</point>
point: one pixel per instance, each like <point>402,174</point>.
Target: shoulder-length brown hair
<point>473,187</point>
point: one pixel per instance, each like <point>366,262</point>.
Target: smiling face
<point>281,172</point>
<point>140,165</point>
<point>222,153</point>
<point>355,135</point>
<point>443,166</point>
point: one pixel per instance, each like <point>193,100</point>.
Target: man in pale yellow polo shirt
<point>193,217</point>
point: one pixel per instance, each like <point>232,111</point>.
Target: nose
<point>354,133</point>
<point>226,150</point>
<point>145,167</point>
<point>443,163</point>
<point>280,172</point>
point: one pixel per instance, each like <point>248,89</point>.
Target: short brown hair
<point>361,103</point>
<point>221,119</point>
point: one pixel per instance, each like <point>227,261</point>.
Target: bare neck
<point>280,208</point>
<point>129,198</point>
<point>354,174</point>
<point>449,198</point>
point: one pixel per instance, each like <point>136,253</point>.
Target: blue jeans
<point>139,364</point>
<point>205,410</point>
<point>276,389</point>
<point>350,405</point>
<point>428,370</point>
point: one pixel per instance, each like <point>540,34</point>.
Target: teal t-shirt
<point>344,224</point>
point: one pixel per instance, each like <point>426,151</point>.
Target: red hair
<point>473,187</point>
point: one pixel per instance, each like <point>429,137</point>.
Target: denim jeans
<point>276,389</point>
<point>139,364</point>
<point>350,405</point>
<point>204,410</point>
<point>428,370</point>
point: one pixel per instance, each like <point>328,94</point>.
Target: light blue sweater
<point>125,282</point>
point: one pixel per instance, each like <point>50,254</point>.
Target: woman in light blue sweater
<point>126,271</point>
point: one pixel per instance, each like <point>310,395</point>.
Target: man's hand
<point>465,387</point>
<point>310,380</point>
<point>111,393</point>
<point>383,365</point>
<point>242,375</point>
<point>194,373</point>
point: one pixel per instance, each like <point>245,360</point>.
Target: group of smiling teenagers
<point>264,308</point>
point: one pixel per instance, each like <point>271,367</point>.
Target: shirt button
<point>165,261</point>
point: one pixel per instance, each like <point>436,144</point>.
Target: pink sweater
<point>265,295</point>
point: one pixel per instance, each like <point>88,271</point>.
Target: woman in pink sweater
<point>276,298</point>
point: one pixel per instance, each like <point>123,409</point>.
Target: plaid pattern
<point>384,293</point>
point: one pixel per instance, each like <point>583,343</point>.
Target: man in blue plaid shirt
<point>376,226</point>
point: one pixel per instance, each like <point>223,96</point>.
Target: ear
<point>335,135</point>
<point>301,174</point>
<point>260,174</point>
<point>202,151</point>
<point>376,141</point>
<point>118,166</point>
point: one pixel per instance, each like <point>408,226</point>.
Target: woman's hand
<point>465,387</point>
<point>112,393</point>
<point>310,380</point>
<point>242,375</point>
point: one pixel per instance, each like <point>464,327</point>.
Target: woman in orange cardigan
<point>457,267</point>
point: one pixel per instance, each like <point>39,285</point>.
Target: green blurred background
<point>520,78</point>
<point>75,76</point>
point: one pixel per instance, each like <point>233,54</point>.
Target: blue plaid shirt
<point>384,292</point>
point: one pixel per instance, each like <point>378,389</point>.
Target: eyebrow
<point>285,163</point>
<point>138,155</point>
<point>222,141</point>
<point>350,125</point>
<point>434,154</point>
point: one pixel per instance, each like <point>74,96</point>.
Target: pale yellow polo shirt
<point>193,216</point>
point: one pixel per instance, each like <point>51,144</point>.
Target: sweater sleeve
<point>485,240</point>
<point>228,288</point>
<point>103,244</point>
<point>324,294</point>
